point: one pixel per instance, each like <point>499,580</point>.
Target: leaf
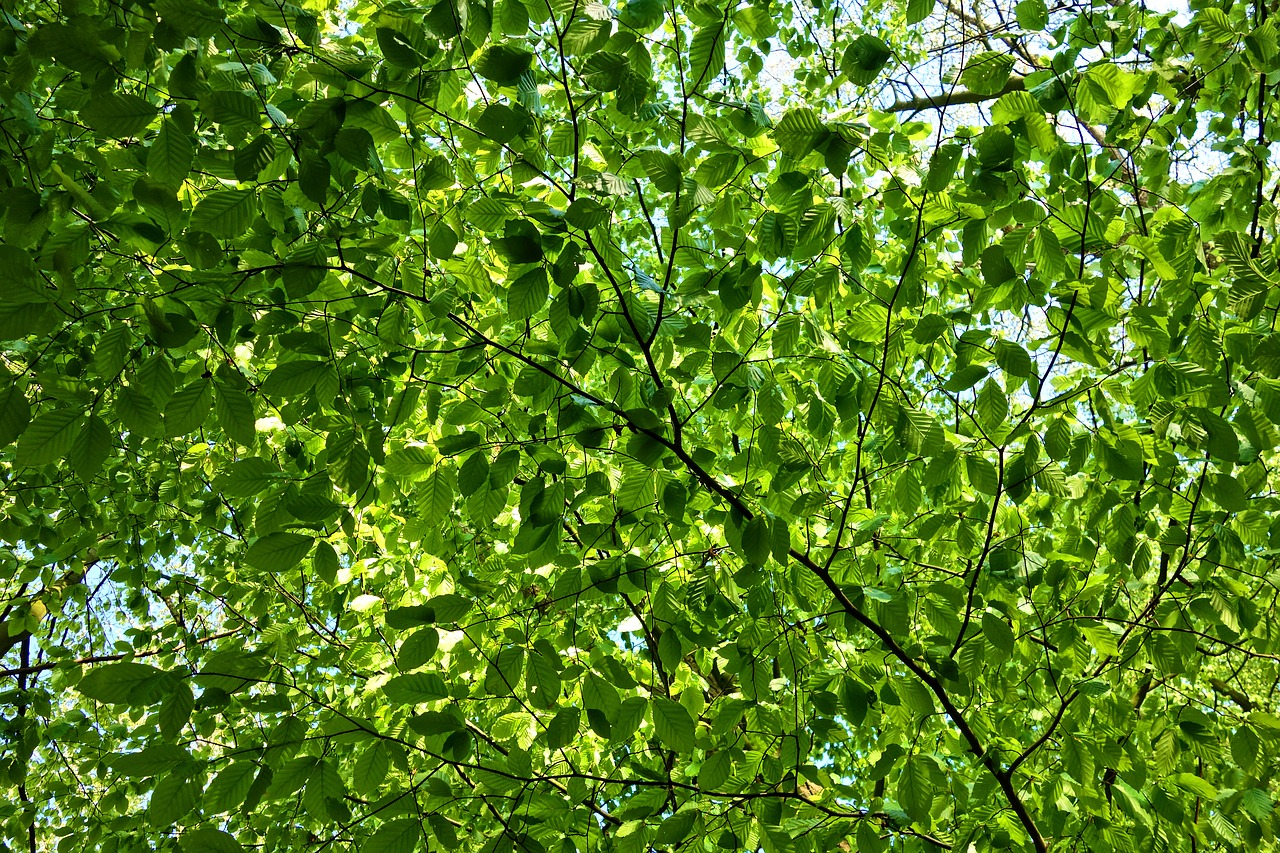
<point>997,632</point>
<point>297,377</point>
<point>915,790</point>
<point>278,552</point>
<point>662,169</point>
<point>126,683</point>
<point>225,214</point>
<point>176,710</point>
<point>706,54</point>
<point>1032,15</point>
<point>50,437</point>
<point>563,728</point>
<point>673,725</point>
<point>401,835</point>
<point>254,157</point>
<point>191,17</point>
<point>15,414</point>
<point>371,769</point>
<point>528,294</point>
<point>188,408</point>
<point>586,213</point>
<point>864,59</point>
<point>154,760</point>
<point>987,72</point>
<point>173,798</point>
<point>170,156</point>
<point>756,541</point>
<point>234,411</point>
<point>415,688</point>
<point>229,788</point>
<point>1216,26</point>
<point>942,167</point>
<point>716,769</point>
<point>206,839</point>
<point>119,115</point>
<point>418,648</point>
<point>290,777</point>
<point>918,10</point>
<point>1195,785</point>
<point>604,71</point>
<point>503,63</point>
<point>501,123</point>
<point>249,477</point>
<point>992,405</point>
<point>798,132</point>
<point>24,285</point>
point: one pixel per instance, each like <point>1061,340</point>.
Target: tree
<point>543,425</point>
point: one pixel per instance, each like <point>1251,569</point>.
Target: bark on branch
<point>950,99</point>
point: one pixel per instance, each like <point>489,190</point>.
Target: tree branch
<point>954,98</point>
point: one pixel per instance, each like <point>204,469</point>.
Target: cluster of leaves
<point>546,425</point>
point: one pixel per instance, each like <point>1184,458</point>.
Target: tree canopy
<point>586,425</point>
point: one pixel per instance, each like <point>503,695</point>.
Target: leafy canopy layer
<point>545,425</point>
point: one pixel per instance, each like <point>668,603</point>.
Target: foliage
<point>543,425</point>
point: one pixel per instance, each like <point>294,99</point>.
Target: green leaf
<point>50,437</point>
<point>1032,14</point>
<point>249,477</point>
<point>234,411</point>
<point>119,115</point>
<point>278,552</point>
<point>756,541</point>
<point>662,169</point>
<point>503,63</point>
<point>563,728</point>
<point>1195,785</point>
<point>15,414</point>
<point>225,214</point>
<point>154,760</point>
<point>604,71</point>
<point>290,777</point>
<point>415,688</point>
<point>864,59</point>
<point>716,769</point>
<point>175,711</point>
<point>24,285</point>
<point>173,797</point>
<point>528,294</point>
<point>915,790</point>
<point>126,683</point>
<point>501,123</point>
<point>997,632</point>
<point>254,157</point>
<point>401,835</point>
<point>229,788</point>
<point>798,132</point>
<point>586,213</point>
<point>90,448</point>
<point>673,725</point>
<point>706,54</point>
<point>206,839</point>
<point>942,167</point>
<point>418,648</point>
<point>298,377</point>
<point>987,73</point>
<point>918,10</point>
<point>170,156</point>
<point>992,405</point>
<point>189,408</point>
<point>371,769</point>
<point>191,17</point>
